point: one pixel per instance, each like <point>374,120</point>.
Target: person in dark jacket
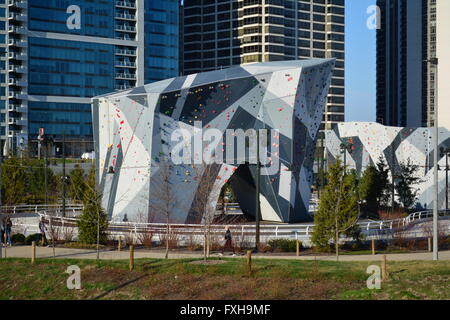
<point>228,241</point>
<point>2,230</point>
<point>42,229</point>
<point>8,229</point>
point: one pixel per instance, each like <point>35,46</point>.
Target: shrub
<point>93,217</point>
<point>283,245</point>
<point>31,238</point>
<point>18,238</point>
<point>146,238</point>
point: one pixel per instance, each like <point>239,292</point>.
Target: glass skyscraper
<point>409,87</point>
<point>57,54</point>
<point>221,33</point>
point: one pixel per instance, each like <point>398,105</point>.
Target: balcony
<point>23,43</point>
<point>125,4</point>
<point>126,76</point>
<point>17,82</point>
<point>17,68</point>
<point>13,42</point>
<point>126,37</point>
<point>17,16</point>
<point>22,122</point>
<point>17,4</point>
<point>22,108</point>
<point>17,56</point>
<point>18,43</point>
<point>17,95</point>
<point>15,29</point>
<point>13,16</point>
<point>125,16</point>
<point>123,87</point>
<point>125,28</point>
<point>126,52</point>
<point>125,64</point>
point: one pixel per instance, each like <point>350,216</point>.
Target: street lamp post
<point>434,62</point>
<point>1,217</point>
<point>258,202</point>
<point>64,174</point>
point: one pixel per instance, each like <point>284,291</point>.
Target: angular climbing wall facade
<point>370,142</point>
<point>135,132</point>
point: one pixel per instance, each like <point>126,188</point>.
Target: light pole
<point>258,202</point>
<point>1,216</point>
<point>434,62</point>
<point>64,174</point>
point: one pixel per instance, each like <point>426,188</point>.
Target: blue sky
<point>360,63</point>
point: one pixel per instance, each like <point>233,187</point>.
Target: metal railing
<point>71,209</point>
<point>268,231</point>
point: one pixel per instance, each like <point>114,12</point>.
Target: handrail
<point>277,230</point>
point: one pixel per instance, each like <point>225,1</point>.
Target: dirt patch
<point>112,276</point>
<point>225,287</point>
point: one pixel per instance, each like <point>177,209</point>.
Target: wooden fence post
<point>384,272</point>
<point>249,261</point>
<point>298,248</point>
<point>33,252</point>
<point>373,247</point>
<point>131,257</point>
<point>429,244</point>
<point>120,244</point>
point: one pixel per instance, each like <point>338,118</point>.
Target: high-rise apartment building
<point>221,33</point>
<point>58,54</point>
<point>412,33</point>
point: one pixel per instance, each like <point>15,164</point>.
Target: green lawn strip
<point>409,280</point>
<point>47,279</point>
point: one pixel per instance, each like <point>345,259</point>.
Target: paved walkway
<point>44,252</point>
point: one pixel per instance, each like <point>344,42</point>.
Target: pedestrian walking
<point>8,229</point>
<point>228,241</point>
<point>42,229</point>
<point>2,231</point>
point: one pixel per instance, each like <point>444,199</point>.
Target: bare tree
<point>145,236</point>
<point>53,229</point>
<point>164,199</point>
<point>205,201</point>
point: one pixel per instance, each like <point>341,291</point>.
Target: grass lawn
<point>220,280</point>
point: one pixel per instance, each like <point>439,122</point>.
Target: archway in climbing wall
<point>229,210</point>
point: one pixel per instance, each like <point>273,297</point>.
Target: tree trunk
<point>208,244</point>
<point>204,246</point>
<point>336,240</point>
<point>167,240</point>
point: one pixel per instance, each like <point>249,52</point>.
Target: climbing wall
<point>134,129</point>
<point>372,142</point>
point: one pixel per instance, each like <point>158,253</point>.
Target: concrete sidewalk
<point>65,253</point>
